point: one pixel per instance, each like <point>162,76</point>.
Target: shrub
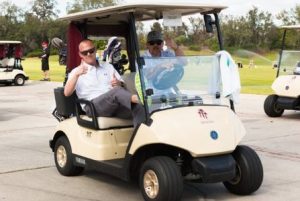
<point>195,47</point>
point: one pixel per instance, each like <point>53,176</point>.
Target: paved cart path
<point>27,170</point>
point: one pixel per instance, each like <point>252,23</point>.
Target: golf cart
<point>191,134</point>
<point>11,70</point>
<point>286,86</point>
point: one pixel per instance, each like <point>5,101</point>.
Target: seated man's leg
<point>106,104</point>
<point>118,103</point>
<point>138,113</point>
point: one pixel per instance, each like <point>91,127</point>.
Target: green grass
<point>256,80</point>
<point>32,67</point>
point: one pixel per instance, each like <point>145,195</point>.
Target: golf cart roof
<point>10,42</point>
<point>297,26</point>
<point>142,11</point>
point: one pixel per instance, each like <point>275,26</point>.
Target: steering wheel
<point>168,77</point>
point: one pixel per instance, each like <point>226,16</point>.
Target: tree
<point>197,36</point>
<point>254,31</point>
<point>297,13</point>
<point>83,5</point>
<point>156,27</point>
<point>44,9</point>
<point>10,20</point>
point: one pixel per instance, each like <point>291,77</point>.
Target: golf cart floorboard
<point>111,167</point>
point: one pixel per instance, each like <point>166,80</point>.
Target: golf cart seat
<point>5,62</point>
<point>67,107</point>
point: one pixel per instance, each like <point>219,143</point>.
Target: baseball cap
<point>44,43</point>
<point>154,36</point>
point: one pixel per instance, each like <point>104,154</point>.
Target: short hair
<point>86,40</point>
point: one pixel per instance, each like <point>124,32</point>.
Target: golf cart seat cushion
<point>8,62</point>
<point>110,122</point>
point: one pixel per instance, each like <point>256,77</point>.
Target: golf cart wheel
<point>249,172</point>
<point>161,180</point>
<point>64,159</point>
<point>19,80</point>
<point>271,108</point>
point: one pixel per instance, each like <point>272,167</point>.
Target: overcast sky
<point>235,7</point>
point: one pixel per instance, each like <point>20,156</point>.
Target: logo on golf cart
<point>202,113</point>
<point>214,135</point>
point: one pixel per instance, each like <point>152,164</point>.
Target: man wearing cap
<point>45,61</point>
<point>155,43</point>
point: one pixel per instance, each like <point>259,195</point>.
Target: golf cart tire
<point>68,169</point>
<point>249,172</point>
<point>169,179</point>
<point>270,106</point>
<point>19,80</point>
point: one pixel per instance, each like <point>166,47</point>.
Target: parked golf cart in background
<point>286,86</point>
<point>192,134</point>
<point>11,70</point>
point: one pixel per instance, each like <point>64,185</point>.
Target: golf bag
<point>112,54</point>
<point>62,50</point>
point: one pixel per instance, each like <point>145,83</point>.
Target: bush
<point>34,53</point>
<point>39,52</point>
<point>195,48</point>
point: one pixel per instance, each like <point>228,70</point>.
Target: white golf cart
<point>11,70</point>
<point>190,134</point>
<point>286,86</point>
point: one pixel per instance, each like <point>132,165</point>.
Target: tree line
<point>256,30</point>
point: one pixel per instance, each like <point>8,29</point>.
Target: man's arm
<point>71,83</point>
<point>178,51</point>
<point>172,45</point>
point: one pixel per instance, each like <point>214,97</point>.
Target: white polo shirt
<point>95,82</point>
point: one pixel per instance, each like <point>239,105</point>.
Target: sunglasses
<point>89,51</point>
<point>157,42</point>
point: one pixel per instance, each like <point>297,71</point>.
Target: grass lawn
<point>255,80</point>
<point>32,66</point>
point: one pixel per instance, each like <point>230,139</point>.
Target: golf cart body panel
<point>191,133</point>
<point>287,86</point>
<point>97,145</point>
<point>9,75</point>
<point>189,126</point>
<point>297,26</point>
<point>2,42</point>
<point>11,70</point>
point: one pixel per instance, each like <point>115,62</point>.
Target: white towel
<point>230,76</point>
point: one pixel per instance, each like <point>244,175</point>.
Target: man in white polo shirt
<point>103,86</point>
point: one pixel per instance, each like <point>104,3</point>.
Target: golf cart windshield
<point>180,81</point>
<point>290,62</point>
